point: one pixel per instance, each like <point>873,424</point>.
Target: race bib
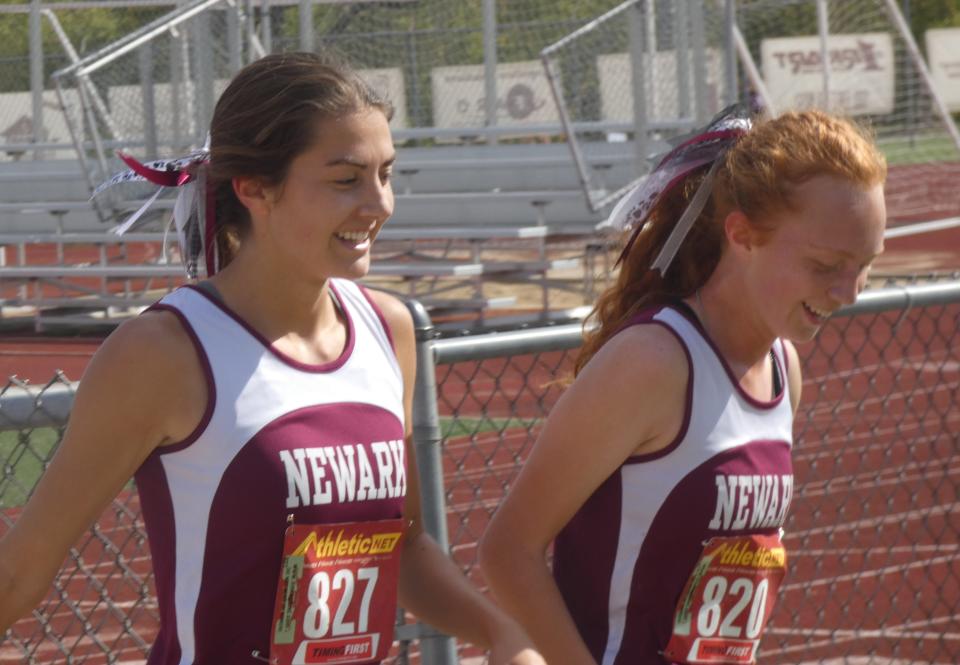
<point>337,596</point>
<point>727,601</point>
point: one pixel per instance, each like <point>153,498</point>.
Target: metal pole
<point>36,76</point>
<point>187,9</point>
<point>149,102</point>
<point>76,136</point>
<point>912,107</point>
<point>83,79</point>
<point>753,74</point>
<point>650,47</point>
<point>427,438</point>
<point>234,38</point>
<point>699,44</point>
<point>682,45</point>
<point>188,94</point>
<point>176,92</point>
<point>265,28</point>
<point>203,71</point>
<point>305,17</point>
<point>251,31</point>
<point>414,80</point>
<point>823,30</point>
<point>729,52</point>
<point>639,61</point>
<point>490,64</point>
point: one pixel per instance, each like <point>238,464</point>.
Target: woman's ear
<point>253,194</point>
<point>740,234</point>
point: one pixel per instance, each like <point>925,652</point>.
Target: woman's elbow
<point>501,555</point>
<point>491,551</point>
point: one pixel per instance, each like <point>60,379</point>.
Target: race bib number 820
<point>727,601</point>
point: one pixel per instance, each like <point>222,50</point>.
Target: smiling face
<point>818,255</point>
<point>323,218</point>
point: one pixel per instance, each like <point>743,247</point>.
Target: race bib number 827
<point>337,595</point>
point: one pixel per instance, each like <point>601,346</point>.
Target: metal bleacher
<point>459,210</point>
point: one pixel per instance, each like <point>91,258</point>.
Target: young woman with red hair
<point>663,474</point>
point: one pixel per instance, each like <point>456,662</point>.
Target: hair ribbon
<point>193,210</point>
<point>704,147</point>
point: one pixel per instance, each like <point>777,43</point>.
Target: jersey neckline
<point>687,313</point>
<point>330,366</point>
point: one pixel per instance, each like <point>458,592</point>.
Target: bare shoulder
<point>794,375</point>
<point>150,370</point>
<point>642,355</point>
<point>396,316</point>
<point>154,342</point>
<point>637,383</point>
<point>159,328</point>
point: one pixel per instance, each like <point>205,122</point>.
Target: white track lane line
<point>860,575</point>
<point>868,522</point>
<point>837,637</point>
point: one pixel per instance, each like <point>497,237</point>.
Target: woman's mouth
<point>354,239</point>
<point>818,316</point>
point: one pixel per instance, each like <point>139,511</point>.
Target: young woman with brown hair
<point>265,412</point>
<point>663,474</point>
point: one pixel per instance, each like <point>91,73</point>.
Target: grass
<point>465,426</point>
<point>23,455</point>
<point>920,149</point>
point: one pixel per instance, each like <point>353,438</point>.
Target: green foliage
<point>926,14</point>
<point>87,29</point>
<point>23,456</point>
<point>413,35</point>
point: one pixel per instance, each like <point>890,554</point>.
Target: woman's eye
<point>346,181</point>
<point>386,176</point>
<point>821,267</point>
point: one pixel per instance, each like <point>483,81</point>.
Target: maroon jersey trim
<point>687,402</point>
<point>207,375</point>
<point>688,314</point>
<point>292,362</point>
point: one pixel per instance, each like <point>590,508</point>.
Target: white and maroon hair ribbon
<point>193,211</point>
<point>706,146</point>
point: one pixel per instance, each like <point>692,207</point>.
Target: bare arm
<point>627,400</point>
<point>431,585</point>
<point>132,399</point>
<point>794,380</point>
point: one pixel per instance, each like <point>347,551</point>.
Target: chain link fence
<point>873,530</point>
<point>660,69</point>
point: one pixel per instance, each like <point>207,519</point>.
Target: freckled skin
<point>818,254</point>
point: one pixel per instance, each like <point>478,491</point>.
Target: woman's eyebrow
<point>352,161</point>
<point>841,252</point>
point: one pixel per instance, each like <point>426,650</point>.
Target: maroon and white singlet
<point>624,559</point>
<point>323,443</point>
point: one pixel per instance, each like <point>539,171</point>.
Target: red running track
<point>873,531</point>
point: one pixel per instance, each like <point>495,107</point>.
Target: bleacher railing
<point>872,534</point>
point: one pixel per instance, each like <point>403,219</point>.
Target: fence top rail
<point>24,406</point>
<point>97,59</point>
<point>492,345</point>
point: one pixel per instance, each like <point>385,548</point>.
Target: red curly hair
<point>757,176</point>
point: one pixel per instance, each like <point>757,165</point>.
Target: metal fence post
<point>426,440</point>
<point>36,76</point>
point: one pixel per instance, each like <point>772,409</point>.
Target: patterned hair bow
<point>193,211</point>
<point>696,150</point>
